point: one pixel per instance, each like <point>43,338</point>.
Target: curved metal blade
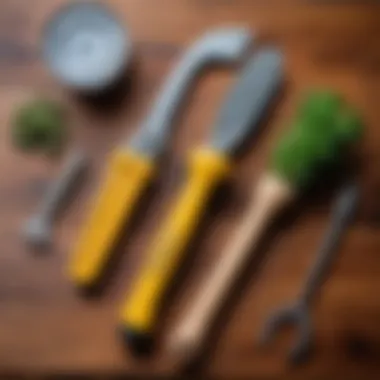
<point>222,46</point>
<point>255,88</point>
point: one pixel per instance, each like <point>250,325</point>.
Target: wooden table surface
<point>47,328</point>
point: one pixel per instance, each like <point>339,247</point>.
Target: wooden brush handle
<point>272,194</point>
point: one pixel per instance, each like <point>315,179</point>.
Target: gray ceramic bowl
<point>86,47</point>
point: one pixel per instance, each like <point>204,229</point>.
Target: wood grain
<point>46,328</point>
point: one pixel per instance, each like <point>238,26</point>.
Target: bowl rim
<point>60,12</point>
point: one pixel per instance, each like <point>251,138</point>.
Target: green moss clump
<point>39,126</point>
<point>325,126</point>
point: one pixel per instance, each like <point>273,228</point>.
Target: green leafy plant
<point>39,126</point>
<point>324,126</point>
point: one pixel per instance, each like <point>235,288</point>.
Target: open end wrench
<point>299,313</point>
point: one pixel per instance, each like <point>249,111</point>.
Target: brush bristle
<point>326,125</point>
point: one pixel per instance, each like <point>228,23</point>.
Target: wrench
<point>298,314</point>
<point>38,229</point>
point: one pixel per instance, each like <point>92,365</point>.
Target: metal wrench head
<point>298,316</point>
<point>37,233</point>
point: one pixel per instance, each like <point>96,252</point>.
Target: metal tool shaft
<point>38,229</point>
<point>341,217</point>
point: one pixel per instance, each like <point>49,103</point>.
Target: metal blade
<point>248,100</point>
<point>225,46</point>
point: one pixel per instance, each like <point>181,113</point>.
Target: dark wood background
<point>45,327</point>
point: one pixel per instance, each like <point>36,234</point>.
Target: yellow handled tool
<point>207,168</point>
<point>240,115</point>
<point>132,166</point>
<point>127,177</point>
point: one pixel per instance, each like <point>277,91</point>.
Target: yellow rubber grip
<point>207,169</point>
<point>127,177</point>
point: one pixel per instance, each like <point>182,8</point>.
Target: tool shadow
<point>110,101</point>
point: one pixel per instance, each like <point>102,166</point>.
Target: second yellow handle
<point>128,176</point>
<point>207,169</point>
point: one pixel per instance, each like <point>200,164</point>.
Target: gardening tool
<point>298,314</point>
<point>133,165</point>
<point>324,127</point>
<point>209,165</point>
<point>38,230</point>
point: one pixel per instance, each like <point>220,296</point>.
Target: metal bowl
<point>86,47</point>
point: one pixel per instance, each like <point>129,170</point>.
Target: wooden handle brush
<point>324,127</point>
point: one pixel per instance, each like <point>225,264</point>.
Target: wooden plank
<point>45,327</point>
